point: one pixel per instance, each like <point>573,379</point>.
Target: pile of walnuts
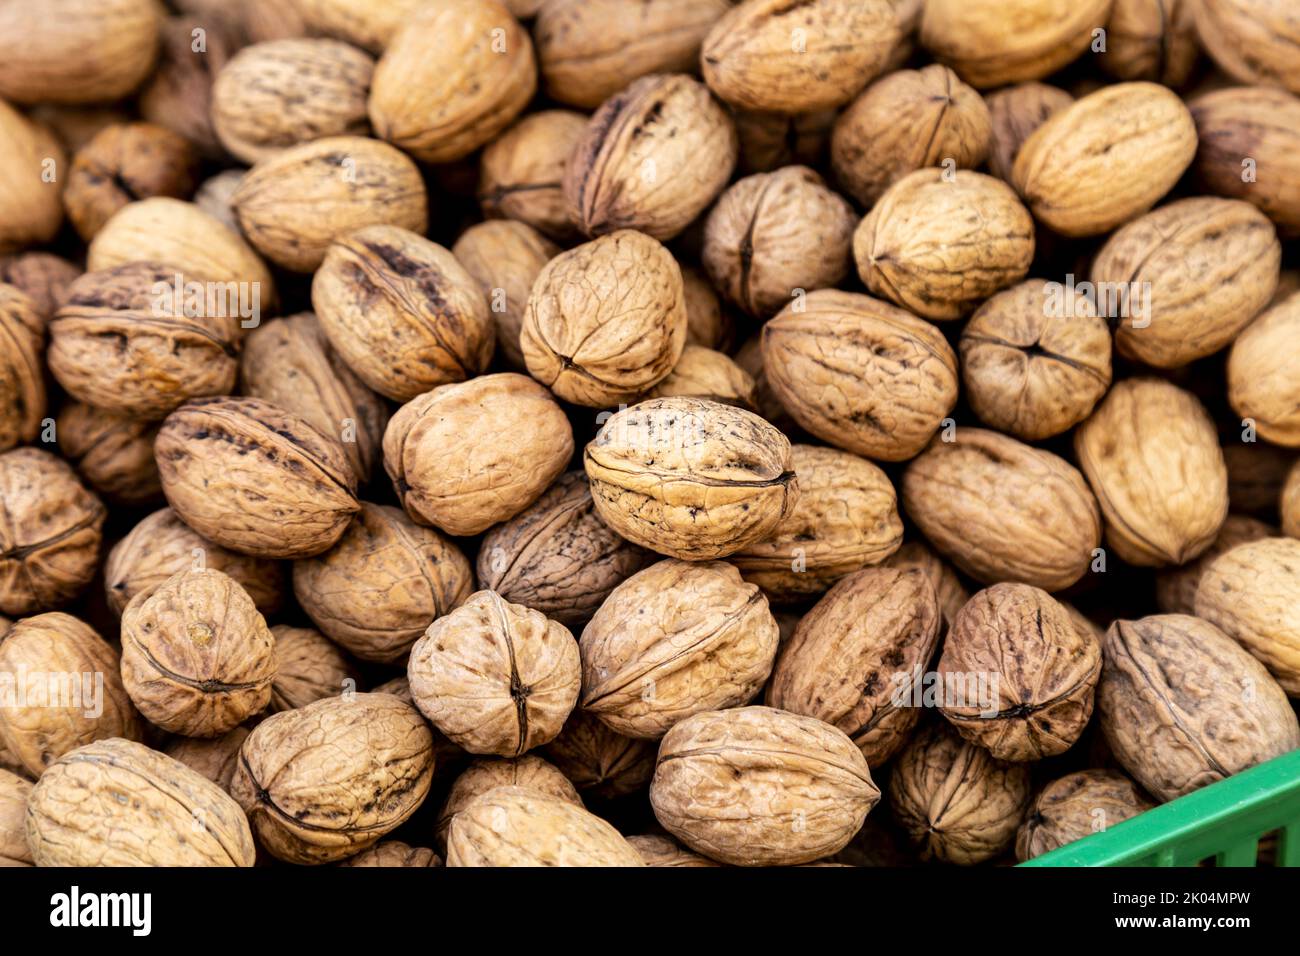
<point>641,432</point>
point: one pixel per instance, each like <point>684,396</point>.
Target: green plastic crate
<point>1223,822</point>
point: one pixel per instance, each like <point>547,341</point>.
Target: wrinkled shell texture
<point>1152,40</point>
<point>1015,112</point>
<point>1183,705</point>
<point>708,324</point>
<point>488,773</point>
<point>769,141</point>
<point>1264,373</point>
<point>330,779</point>
<point>308,668</point>
<point>377,590</point>
<point>705,373</point>
<point>947,586</point>
<point>689,478</point>
<point>495,677</point>
<point>179,97</point>
<point>859,373</point>
<point>22,382</point>
<point>1176,586</point>
<point>658,850</point>
<point>42,276</point>
<point>1002,510</point>
<point>854,657</point>
<point>1075,806</point>
<point>600,761</point>
<point>14,792</point>
<point>1152,456</point>
<point>1253,41</point>
<point>255,479</point>
<point>395,853</point>
<point>118,803</point>
<point>215,758</point>
<point>673,640</point>
<point>113,453</point>
<point>756,786</point>
<point>521,174</point>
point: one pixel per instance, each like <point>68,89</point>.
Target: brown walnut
<point>395,853</point>
<point>1076,806</point>
<point>1253,41</point>
<point>42,276</point>
<point>1264,374</point>
<point>707,374</point>
<point>179,96</point>
<point>659,850</point>
<point>31,211</point>
<point>112,452</point>
<point>487,773</point>
<point>947,586</point>
<point>215,758</point>
<point>1152,40</point>
<point>14,794</point>
<point>22,376</point>
<point>599,760</point>
<point>1016,111</point>
<point>308,667</point>
<point>521,174</point>
<point>1176,586</point>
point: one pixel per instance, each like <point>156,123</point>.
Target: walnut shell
<point>134,339</point>
<point>1075,806</point>
<point>1264,373</point>
<point>369,24</point>
<point>31,211</point>
<point>708,324</point>
<point>769,141</point>
<point>1206,268</point>
<point>845,519</point>
<point>1183,705</point>
<point>14,793</point>
<point>772,236</point>
<point>1002,510</point>
<point>784,57</point>
<point>22,377</point>
<point>859,373</point>
<point>505,258</point>
<point>215,758</point>
<point>161,544</point>
<point>1015,112</point>
<point>118,803</point>
<point>451,79</point>
<point>1290,506</point>
<point>1035,359</point>
<point>465,457</point>
<point>293,204</point>
<point>112,452</point>
<point>254,478</point>
<point>308,668</point>
<point>598,760</point>
<point>50,532</point>
<point>325,781</point>
<point>41,723</point>
<point>395,853</point>
<point>274,95</point>
<point>214,194</point>
<point>179,97</point>
<point>518,826</point>
<point>940,243</point>
<point>947,586</point>
<point>658,850</point>
<point>449,758</point>
<point>673,640</point>
<point>401,311</point>
<point>42,276</point>
<point>1152,40</point>
<point>1106,158</point>
<point>750,359</point>
<point>652,159</point>
<point>1257,473</point>
<point>1253,41</point>
<point>1176,587</point>
<point>495,677</point>
<point>521,173</point>
<point>991,43</point>
<point>1252,593</point>
<point>557,556</point>
<point>689,478</point>
<point>589,50</point>
<point>378,588</point>
<point>855,657</point>
<point>756,786</point>
<point>487,773</point>
<point>874,143</point>
<point>290,363</point>
<point>704,373</point>
<point>1152,456</point>
<point>955,801</point>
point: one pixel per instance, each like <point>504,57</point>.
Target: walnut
<point>750,359</point>
<point>1015,112</point>
<point>293,204</point>
<point>1106,158</point>
<point>495,677</point>
<point>785,57</point>
<point>1151,454</point>
<point>557,556</point>
<point>290,363</point>
<point>378,588</point>
<point>855,658</point>
<point>14,793</point>
<point>215,758</point>
<point>31,211</point>
<point>309,803</point>
<point>859,373</point>
<point>992,43</point>
<point>772,236</point>
<point>947,586</point>
<point>112,452</point>
<point>1264,373</point>
<point>939,243</point>
<point>214,194</point>
<point>179,97</point>
<point>124,163</point>
<point>591,49</point>
<point>1002,510</point>
<point>756,786</point>
<point>1257,473</point>
<point>605,321</point>
<point>488,773</point>
<point>161,544</point>
<point>1183,705</point>
<point>1151,40</point>
<point>369,24</point>
<point>690,478</point>
<point>255,479</point>
<point>1253,41</point>
<point>704,373</point>
<point>465,457</point>
<point>769,141</point>
<point>518,826</point>
<point>41,722</point>
<point>76,51</point>
<point>22,375</point>
<point>395,853</point>
<point>1205,266</point>
<point>1035,359</point>
<point>1075,806</point>
<point>118,803</point>
<point>74,126</point>
<point>652,159</point>
<point>449,759</point>
<point>274,95</point>
<point>1252,592</point>
<point>659,850</point>
<point>598,760</point>
<point>521,173</point>
<point>955,801</point>
<point>874,143</point>
<point>708,324</point>
<point>42,276</point>
<point>50,532</point>
<point>845,519</point>
<point>1176,586</point>
<point>451,79</point>
<point>673,640</point>
<point>1290,506</point>
<point>308,668</point>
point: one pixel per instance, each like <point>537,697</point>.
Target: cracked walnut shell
<point>1075,806</point>
<point>487,773</point>
<point>22,376</point>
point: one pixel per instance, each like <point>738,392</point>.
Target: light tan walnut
<point>1152,40</point>
<point>1076,806</point>
<point>1016,111</point>
<point>487,773</point>
<point>308,667</point>
<point>1253,41</point>
<point>521,173</point>
<point>1264,374</point>
<point>31,211</point>
<point>1176,586</point>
